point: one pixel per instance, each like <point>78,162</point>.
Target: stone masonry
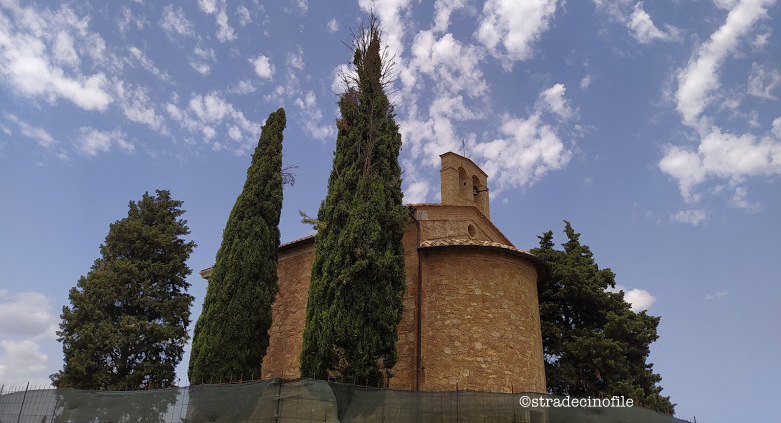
<point>471,315</point>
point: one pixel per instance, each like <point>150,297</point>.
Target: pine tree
<point>127,324</point>
<point>231,335</point>
<point>594,344</point>
<point>357,284</point>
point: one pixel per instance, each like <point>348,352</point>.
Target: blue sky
<point>654,127</point>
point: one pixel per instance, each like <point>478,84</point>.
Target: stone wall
<point>480,325</point>
<point>288,312</point>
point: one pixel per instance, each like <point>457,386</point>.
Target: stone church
<point>471,316</point>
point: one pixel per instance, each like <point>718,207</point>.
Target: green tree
<point>231,335</point>
<point>127,326</point>
<point>594,344</point>
<point>355,296</point>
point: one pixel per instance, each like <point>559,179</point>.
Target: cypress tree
<point>127,324</point>
<point>231,335</point>
<point>355,296</point>
<point>594,344</point>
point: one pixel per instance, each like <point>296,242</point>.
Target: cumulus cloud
<point>638,299</point>
<point>416,192</point>
<point>244,87</point>
<point>22,362</point>
<point>175,24</point>
<point>515,26</point>
<point>203,57</point>
<point>92,142</point>
<point>644,30</point>
<point>263,67</point>
<point>136,105</point>
<point>452,65</point>
<point>312,117</point>
<point>762,82</point>
<point>442,11</point>
<point>26,320</point>
<point>527,148</point>
<point>690,216</point>
<point>552,99</point>
<point>205,114</point>
<point>41,52</point>
<point>26,315</point>
<point>225,31</point>
<point>721,153</point>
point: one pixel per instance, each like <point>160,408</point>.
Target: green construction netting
<point>300,400</point>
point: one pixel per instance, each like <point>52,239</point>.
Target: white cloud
<point>64,50</point>
<point>699,78</point>
<point>129,19</point>
<point>442,11</point>
<point>452,65</point>
<point>390,14</point>
<point>27,315</point>
<point>244,87</point>
<point>208,6</point>
<point>762,82</point>
<point>529,148</point>
<point>740,200</point>
<point>333,26</point>
<point>40,135</point>
<point>313,116</point>
<point>416,192</point>
<point>691,216</point>
<point>206,114</point>
<point>721,153</point>
<point>203,56</point>
<point>638,299</point>
<point>225,32</point>
<point>515,26</point>
<point>34,43</point>
<point>263,66</point>
<point>585,82</point>
<point>685,166</point>
<point>147,64</point>
<point>719,294</point>
<point>22,362</point>
<point>26,320</point>
<point>175,23</point>
<point>553,100</point>
<point>136,105</point>
<point>296,60</point>
<point>244,16</point>
<point>644,30</point>
<point>91,142</point>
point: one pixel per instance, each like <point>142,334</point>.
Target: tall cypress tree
<point>231,335</point>
<point>594,344</point>
<point>357,284</point>
<point>127,324</point>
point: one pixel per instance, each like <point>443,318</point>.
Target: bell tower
<point>463,183</point>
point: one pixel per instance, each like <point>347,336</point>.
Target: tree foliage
<point>357,284</point>
<point>594,344</point>
<point>231,335</point>
<point>127,324</point>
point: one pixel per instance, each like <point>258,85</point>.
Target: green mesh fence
<point>300,400</point>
